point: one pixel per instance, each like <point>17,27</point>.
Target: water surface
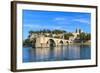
<point>69,52</point>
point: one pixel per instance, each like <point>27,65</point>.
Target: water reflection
<point>69,52</point>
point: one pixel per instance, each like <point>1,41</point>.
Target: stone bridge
<point>42,41</point>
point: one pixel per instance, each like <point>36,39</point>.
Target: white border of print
<point>21,65</point>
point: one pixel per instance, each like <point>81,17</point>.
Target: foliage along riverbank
<point>85,43</point>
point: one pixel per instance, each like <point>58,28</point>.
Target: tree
<point>56,31</point>
<point>76,30</point>
<point>27,42</point>
<point>79,30</point>
<point>88,37</point>
<point>30,32</point>
<point>67,35</point>
<point>83,37</point>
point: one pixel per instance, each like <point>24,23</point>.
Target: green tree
<point>83,37</point>
<point>88,37</point>
<point>58,31</point>
<point>27,42</point>
<point>31,31</point>
<point>67,35</point>
<point>79,30</point>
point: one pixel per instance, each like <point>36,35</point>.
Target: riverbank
<point>85,43</point>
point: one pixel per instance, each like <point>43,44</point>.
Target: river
<point>69,52</point>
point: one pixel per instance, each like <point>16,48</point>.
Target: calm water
<point>69,52</point>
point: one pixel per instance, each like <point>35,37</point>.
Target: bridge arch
<point>67,42</point>
<point>51,43</point>
<point>61,42</point>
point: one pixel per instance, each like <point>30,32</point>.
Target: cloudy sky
<point>68,21</point>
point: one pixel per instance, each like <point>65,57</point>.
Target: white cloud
<point>59,18</point>
<point>32,26</point>
<point>40,27</point>
<point>28,25</point>
<point>82,21</point>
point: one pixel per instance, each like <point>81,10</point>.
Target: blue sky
<point>68,21</point>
